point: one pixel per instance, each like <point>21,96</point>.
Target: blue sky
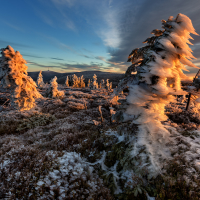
<point>80,35</point>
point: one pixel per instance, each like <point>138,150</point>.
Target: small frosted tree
<point>94,82</point>
<point>13,75</point>
<point>75,81</point>
<point>52,91</point>
<point>102,84</point>
<point>82,83</point>
<point>110,85</point>
<point>89,83</point>
<point>107,84</point>
<point>67,81</point>
<point>40,82</point>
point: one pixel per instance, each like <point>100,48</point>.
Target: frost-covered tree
<point>94,84</point>
<point>156,80</point>
<point>89,83</point>
<point>40,82</point>
<point>110,85</point>
<point>107,84</point>
<point>13,75</point>
<point>75,81</point>
<point>52,91</point>
<point>67,81</point>
<point>82,83</point>
<point>102,83</point>
<point>159,67</point>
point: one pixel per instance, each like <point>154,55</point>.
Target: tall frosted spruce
<point>159,67</point>
<point>156,80</point>
<point>13,75</point>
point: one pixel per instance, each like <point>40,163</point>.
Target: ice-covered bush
<point>13,75</point>
<point>53,91</point>
<point>40,82</point>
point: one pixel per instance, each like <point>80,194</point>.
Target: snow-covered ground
<point>70,148</point>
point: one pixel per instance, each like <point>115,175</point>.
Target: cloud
<point>33,56</point>
<point>4,43</point>
<point>136,20</point>
<point>93,66</point>
<point>57,58</point>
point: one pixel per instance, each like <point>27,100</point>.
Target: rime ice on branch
<point>13,75</point>
<point>52,91</point>
<point>40,82</point>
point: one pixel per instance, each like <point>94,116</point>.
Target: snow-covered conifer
<point>67,81</point>
<point>89,83</point>
<point>102,84</point>
<point>159,67</point>
<point>94,82</point>
<point>110,85</point>
<point>107,84</point>
<point>75,81</point>
<point>52,91</point>
<point>40,82</point>
<point>82,83</point>
<point>13,75</point>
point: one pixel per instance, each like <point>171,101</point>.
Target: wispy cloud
<point>57,58</point>
<point>12,25</point>
<point>4,43</point>
<point>72,67</point>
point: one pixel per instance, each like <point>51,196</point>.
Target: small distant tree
<point>82,83</point>
<point>110,85</point>
<point>40,82</point>
<point>75,81</point>
<point>94,82</point>
<point>67,81</point>
<point>89,83</point>
<point>13,75</point>
<point>107,84</point>
<point>102,84</point>
<point>52,91</point>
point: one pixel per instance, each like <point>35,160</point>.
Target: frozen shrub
<point>40,82</point>
<point>13,75</point>
<point>52,91</point>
